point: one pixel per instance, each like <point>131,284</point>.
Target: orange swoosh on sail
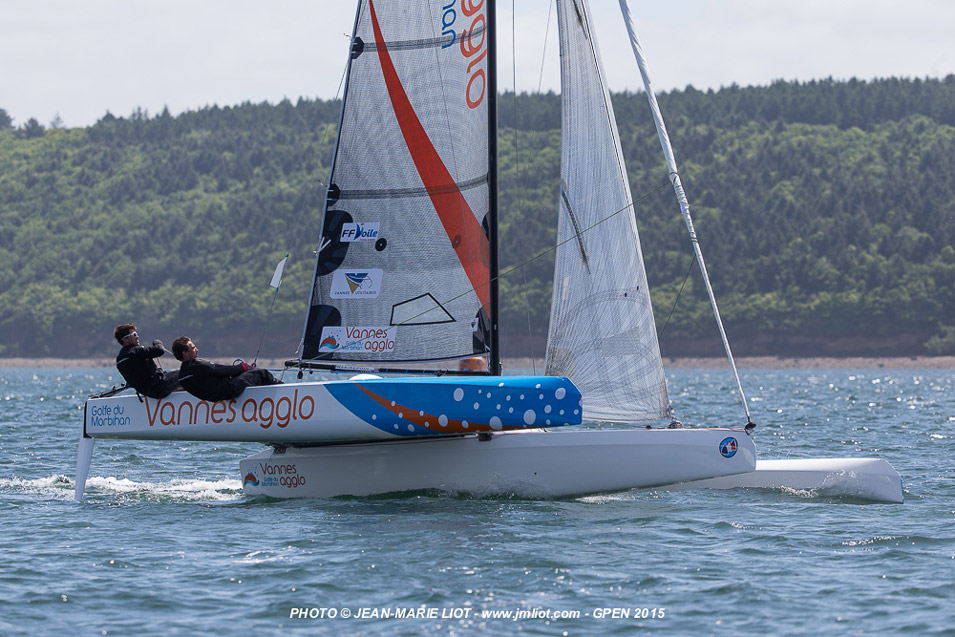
<point>463,229</point>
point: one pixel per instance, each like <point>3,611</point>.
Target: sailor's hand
<point>245,366</point>
<point>158,343</point>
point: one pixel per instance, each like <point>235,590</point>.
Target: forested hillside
<point>826,213</point>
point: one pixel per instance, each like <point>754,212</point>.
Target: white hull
<point>865,478</point>
<point>541,463</point>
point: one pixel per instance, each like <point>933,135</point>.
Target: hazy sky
<point>79,58</point>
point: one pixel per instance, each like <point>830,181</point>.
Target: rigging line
<point>265,328</point>
<point>540,81</point>
<point>298,222</point>
<point>677,299</point>
<point>680,193</point>
<point>540,254</point>
<point>546,251</point>
<point>341,82</point>
<point>288,252</point>
<point>354,52</point>
<point>328,125</point>
<point>288,249</point>
<point>517,170</point>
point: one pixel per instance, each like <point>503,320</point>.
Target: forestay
<point>402,272</point>
<point>602,333</point>
<point>678,190</point>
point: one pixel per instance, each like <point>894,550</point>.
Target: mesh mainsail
<point>402,272</point>
<point>602,333</point>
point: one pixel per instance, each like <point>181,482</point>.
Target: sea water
<point>165,542</point>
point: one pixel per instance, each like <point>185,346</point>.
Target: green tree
<point>33,129</point>
<point>825,210</point>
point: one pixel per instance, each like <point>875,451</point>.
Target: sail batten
<point>398,193</point>
<point>602,333</point>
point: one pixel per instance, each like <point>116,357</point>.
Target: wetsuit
<point>211,381</point>
<point>136,364</point>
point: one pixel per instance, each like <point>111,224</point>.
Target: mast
<point>495,358</point>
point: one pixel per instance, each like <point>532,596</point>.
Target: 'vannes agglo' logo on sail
<point>357,339</point>
<point>473,44</point>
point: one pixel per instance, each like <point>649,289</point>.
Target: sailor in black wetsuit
<point>137,366</point>
<point>211,381</point>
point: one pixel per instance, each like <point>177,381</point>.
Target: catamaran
<point>406,274</point>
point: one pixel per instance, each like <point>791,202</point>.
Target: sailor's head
<point>126,334</point>
<point>184,349</point>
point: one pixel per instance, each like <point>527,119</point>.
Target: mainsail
<point>403,269</point>
<point>602,333</point>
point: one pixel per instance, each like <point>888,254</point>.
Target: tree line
<point>825,210</point>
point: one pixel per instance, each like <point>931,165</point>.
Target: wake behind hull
<point>536,464</point>
<point>862,478</point>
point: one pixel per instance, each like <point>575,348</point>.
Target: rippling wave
<point>166,542</point>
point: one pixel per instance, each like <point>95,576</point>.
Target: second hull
<point>536,464</point>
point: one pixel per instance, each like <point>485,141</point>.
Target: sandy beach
<point>746,362</point>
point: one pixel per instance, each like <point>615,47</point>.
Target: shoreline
<point>742,362</point>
